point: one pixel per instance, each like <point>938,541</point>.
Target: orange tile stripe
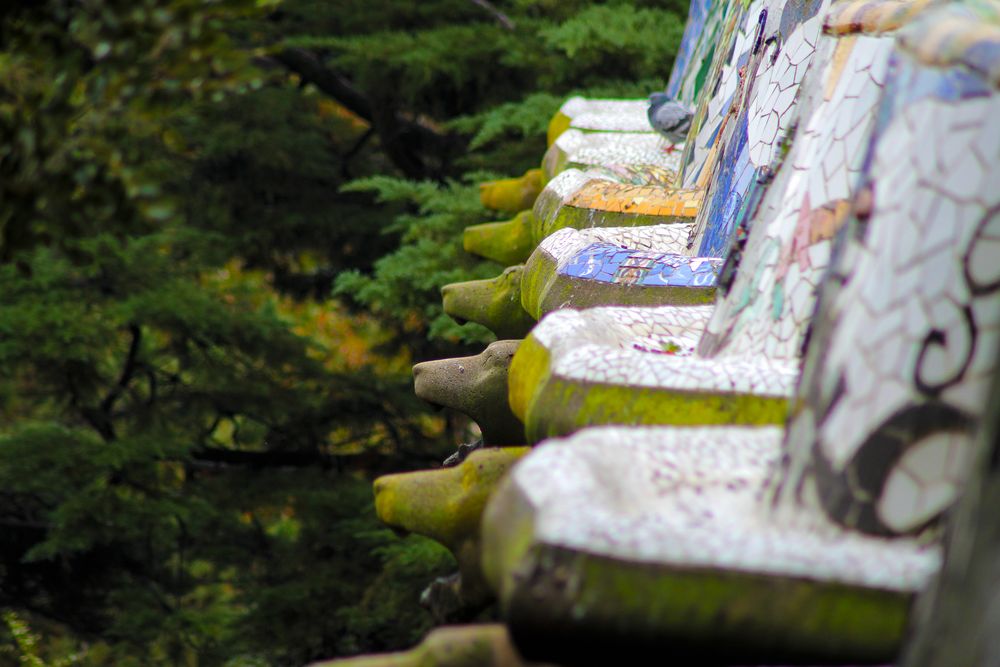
<point>638,199</point>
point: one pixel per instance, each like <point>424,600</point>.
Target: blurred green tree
<point>190,421</point>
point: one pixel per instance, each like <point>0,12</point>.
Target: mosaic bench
<point>574,149</point>
<point>511,242</point>
<point>632,194</point>
<point>745,363</point>
<point>806,543</point>
<point>630,270</point>
<point>622,195</point>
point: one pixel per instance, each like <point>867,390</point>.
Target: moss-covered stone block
<point>495,303</point>
<point>575,606</point>
<point>558,396</point>
<point>512,194</point>
<point>557,125</point>
<point>508,242</point>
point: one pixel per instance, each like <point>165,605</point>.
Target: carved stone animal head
<point>477,387</point>
<point>495,303</point>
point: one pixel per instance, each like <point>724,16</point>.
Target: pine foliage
<point>224,230</point>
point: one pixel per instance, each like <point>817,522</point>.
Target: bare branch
<point>501,18</point>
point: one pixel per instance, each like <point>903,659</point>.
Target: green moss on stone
<point>754,616</point>
<point>508,242</point>
<point>495,303</point>
<point>528,369</point>
<point>560,123</point>
<point>512,194</point>
<point>559,406</point>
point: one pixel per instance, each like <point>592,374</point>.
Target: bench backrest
<point>902,350</point>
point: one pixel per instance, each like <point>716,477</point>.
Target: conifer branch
<point>404,139</point>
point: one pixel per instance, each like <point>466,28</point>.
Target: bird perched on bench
<point>670,118</point>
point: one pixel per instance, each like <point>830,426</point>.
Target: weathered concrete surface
<point>507,242</point>
<point>457,646</point>
<point>512,194</point>
<point>495,303</point>
<point>447,505</point>
<point>477,387</point>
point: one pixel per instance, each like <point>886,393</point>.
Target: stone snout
<point>446,505</point>
<point>512,194</point>
<point>495,303</point>
<point>477,387</point>
<point>507,242</point>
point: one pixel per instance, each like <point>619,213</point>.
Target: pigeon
<point>670,118</point>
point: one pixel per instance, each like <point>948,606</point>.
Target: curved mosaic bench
<point>611,192</point>
<point>900,365</point>
<point>756,544</point>
<point>640,269</point>
<point>783,245</point>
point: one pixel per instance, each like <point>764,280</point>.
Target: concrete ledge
<point>580,369</point>
<point>602,267</point>
<point>599,115</point>
<point>579,150</point>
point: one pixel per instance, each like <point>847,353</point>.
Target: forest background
<point>224,225</point>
